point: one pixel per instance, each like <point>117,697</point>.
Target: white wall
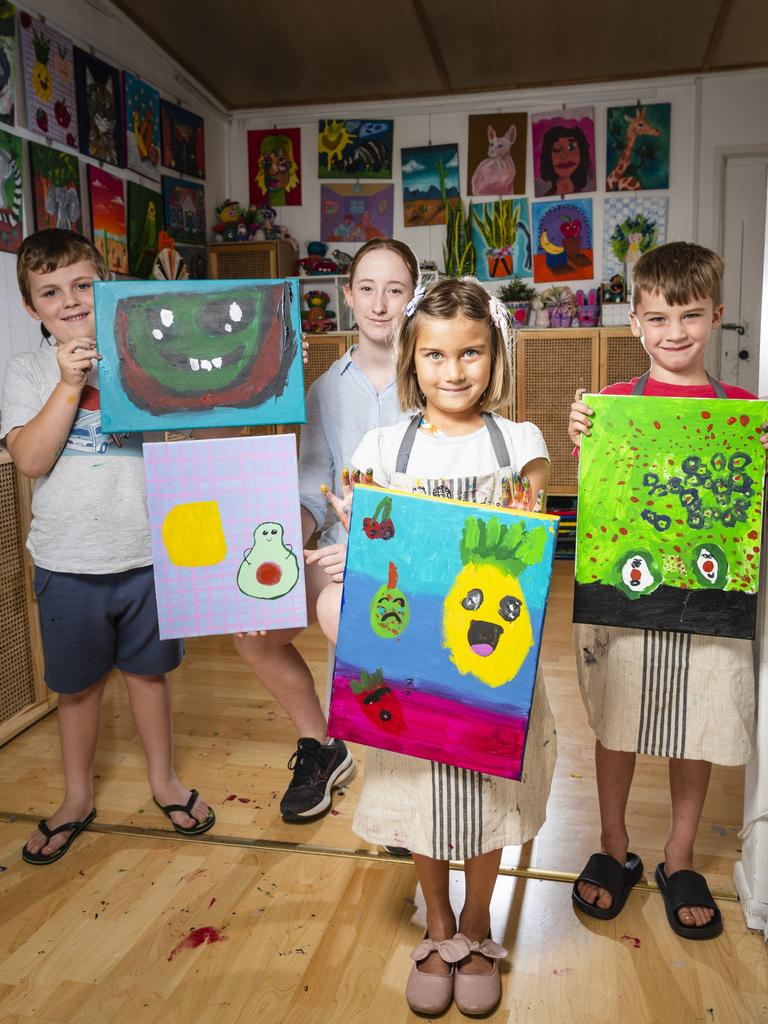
<point>97,24</point>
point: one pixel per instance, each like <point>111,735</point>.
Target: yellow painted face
<point>486,624</point>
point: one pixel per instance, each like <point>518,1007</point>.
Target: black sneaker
<point>318,769</point>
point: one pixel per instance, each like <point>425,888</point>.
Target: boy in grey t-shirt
<point>89,541</point>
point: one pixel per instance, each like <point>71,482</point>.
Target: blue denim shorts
<point>92,623</point>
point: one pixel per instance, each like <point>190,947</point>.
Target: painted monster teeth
<point>206,364</point>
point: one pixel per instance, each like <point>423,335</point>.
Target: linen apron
<point>435,809</point>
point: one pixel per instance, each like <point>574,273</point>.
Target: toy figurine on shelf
<point>316,261</point>
<point>319,318</point>
<point>343,261</point>
<point>229,218</point>
<point>261,226</point>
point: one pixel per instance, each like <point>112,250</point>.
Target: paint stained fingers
<point>541,502</point>
<point>764,435</point>
<point>341,506</point>
<point>505,500</point>
<point>305,351</point>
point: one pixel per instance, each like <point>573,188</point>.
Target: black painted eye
<point>509,608</point>
<point>274,532</point>
<point>225,316</point>
<point>473,600</point>
<point>385,715</point>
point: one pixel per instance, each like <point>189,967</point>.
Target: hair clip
<point>418,295</point>
<point>500,316</point>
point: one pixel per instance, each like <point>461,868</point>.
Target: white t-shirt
<point>89,513</point>
<point>437,456</point>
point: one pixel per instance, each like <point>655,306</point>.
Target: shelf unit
<point>24,696</point>
<point>333,286</point>
<point>550,365</point>
<point>254,260</point>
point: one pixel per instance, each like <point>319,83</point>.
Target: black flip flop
<point>688,889</point>
<point>606,872</point>
<point>192,830</point>
<point>75,827</point>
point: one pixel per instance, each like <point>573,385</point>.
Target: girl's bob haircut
<point>444,300</point>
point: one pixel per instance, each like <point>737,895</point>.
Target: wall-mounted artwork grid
<point>179,354</point>
<point>440,630</point>
<point>670,515</point>
<point>226,535</point>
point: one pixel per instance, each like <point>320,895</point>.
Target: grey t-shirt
<point>89,513</point>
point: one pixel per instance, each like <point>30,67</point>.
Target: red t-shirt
<point>659,389</point>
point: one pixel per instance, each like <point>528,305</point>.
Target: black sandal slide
<point>688,889</point>
<point>192,830</point>
<point>76,827</point>
<point>606,872</point>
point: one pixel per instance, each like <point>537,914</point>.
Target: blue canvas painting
<point>182,354</point>
<point>430,180</point>
<point>142,126</point>
<point>501,236</point>
<point>440,632</point>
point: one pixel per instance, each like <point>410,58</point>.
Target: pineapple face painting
<point>486,623</point>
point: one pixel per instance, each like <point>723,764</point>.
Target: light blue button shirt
<point>342,406</point>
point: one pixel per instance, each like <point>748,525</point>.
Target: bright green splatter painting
<point>670,514</point>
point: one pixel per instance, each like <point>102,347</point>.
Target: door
<point>743,247</point>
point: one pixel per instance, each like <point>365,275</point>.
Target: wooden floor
<point>276,923</point>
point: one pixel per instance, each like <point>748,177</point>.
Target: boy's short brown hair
<point>681,272</point>
<point>445,299</point>
<point>51,248</point>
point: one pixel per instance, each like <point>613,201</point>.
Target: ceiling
<point>308,51</point>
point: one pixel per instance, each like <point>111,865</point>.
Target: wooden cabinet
<point>24,696</point>
<point>254,260</point>
<point>550,365</point>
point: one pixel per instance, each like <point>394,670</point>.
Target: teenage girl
<point>356,394</point>
<point>453,365</point>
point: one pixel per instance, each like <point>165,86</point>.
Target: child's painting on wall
<point>142,126</point>
<point>501,236</point>
<point>497,153</point>
<point>632,224</point>
<point>226,535</point>
<point>356,213</point>
<point>562,241</point>
<point>49,80</point>
<point>637,147</point>
<point>99,109</point>
<point>670,515</point>
<point>439,644</point>
<point>11,192</point>
<point>564,151</point>
<point>184,210</point>
<point>55,188</point>
<point>7,62</point>
<point>430,181</point>
<point>182,140</point>
<point>108,227</point>
<point>355,148</point>
<point>145,208</point>
<point>196,353</point>
<point>274,167</point>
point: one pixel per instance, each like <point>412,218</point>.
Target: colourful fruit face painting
<point>215,572</point>
<point>49,80</point>
<point>670,515</point>
<point>441,629</point>
<point>206,353</point>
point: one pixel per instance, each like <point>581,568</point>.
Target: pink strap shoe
<point>478,994</point>
<point>432,993</point>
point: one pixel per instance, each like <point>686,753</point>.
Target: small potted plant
<point>516,296</point>
<point>562,305</point>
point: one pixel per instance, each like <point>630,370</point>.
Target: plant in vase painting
<point>498,226</point>
<point>516,296</point>
<point>562,305</point>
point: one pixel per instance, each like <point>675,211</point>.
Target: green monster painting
<point>182,351</point>
<point>670,514</point>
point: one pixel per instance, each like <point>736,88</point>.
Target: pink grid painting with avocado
<point>226,535</point>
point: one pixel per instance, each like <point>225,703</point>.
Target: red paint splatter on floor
<point>560,971</point>
<point>243,800</point>
<point>335,813</point>
<point>213,900</point>
<point>633,939</point>
<point>198,937</point>
<point>232,796</point>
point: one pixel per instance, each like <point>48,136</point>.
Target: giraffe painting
<point>638,147</point>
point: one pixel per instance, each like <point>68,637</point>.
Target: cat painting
<point>100,112</point>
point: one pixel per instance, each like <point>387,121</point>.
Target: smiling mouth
<point>483,637</point>
<point>181,361</point>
